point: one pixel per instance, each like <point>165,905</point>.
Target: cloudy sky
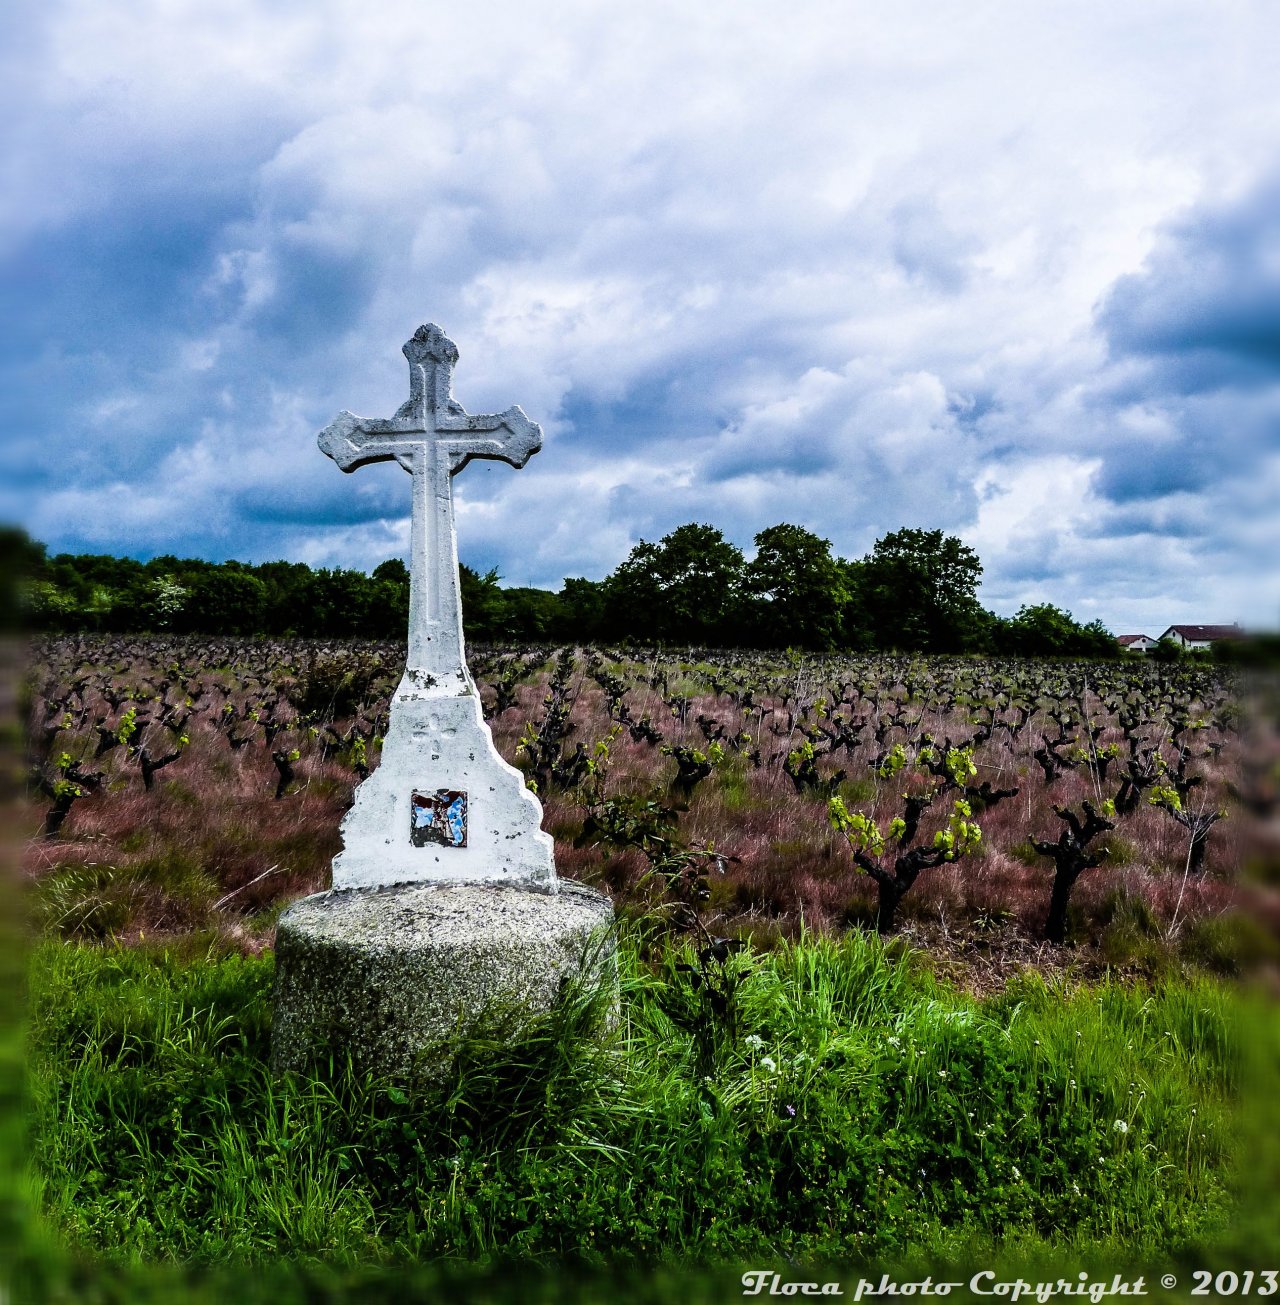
<point>1009,269</point>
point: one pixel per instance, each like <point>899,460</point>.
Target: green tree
<point>388,601</point>
<point>26,592</point>
<point>1167,650</point>
<point>393,570</point>
<point>100,592</point>
<point>286,585</point>
<point>168,602</point>
<point>582,610</point>
<point>531,614</point>
<point>920,592</point>
<point>687,588</point>
<point>42,605</point>
<point>222,600</point>
<point>483,607</point>
<point>798,592</point>
<point>856,631</point>
<point>1043,630</point>
<point>333,603</point>
<point>1098,641</point>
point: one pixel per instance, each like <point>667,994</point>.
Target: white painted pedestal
<point>440,744</point>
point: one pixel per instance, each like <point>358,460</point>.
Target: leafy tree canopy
<point>686,588</point>
<point>916,590</point>
<point>798,590</point>
<point>920,589</point>
<point>1044,630</point>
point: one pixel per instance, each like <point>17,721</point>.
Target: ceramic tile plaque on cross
<point>442,805</point>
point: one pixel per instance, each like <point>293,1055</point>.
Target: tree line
<point>915,591</point>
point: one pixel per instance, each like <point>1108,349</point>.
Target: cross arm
<point>509,436</point>
<point>353,441</point>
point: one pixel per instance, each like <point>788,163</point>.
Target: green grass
<point>864,1113</point>
<point>734,790</point>
<point>88,901</point>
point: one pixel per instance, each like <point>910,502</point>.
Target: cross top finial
<point>431,356</point>
<point>430,342</point>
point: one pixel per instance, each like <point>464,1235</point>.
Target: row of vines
<point>198,785</point>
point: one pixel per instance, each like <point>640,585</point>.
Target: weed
<point>85,901</point>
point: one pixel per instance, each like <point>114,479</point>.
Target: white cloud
<point>830,264</point>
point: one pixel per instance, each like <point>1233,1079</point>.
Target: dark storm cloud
<point>1195,340</point>
<point>1187,414</point>
<point>1206,304</point>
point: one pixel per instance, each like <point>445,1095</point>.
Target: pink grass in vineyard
<point>210,847</point>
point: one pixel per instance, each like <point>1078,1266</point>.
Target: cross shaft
<point>433,438</point>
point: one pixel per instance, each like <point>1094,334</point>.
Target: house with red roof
<point>1138,643</point>
<point>1201,636</point>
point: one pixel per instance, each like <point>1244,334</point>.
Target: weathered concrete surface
<point>389,974</point>
<point>438,753</point>
<point>438,743</point>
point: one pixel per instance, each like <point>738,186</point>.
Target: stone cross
<point>442,805</point>
<point>432,437</point>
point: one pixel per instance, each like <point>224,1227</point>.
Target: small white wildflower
<point>768,1064</point>
<point>1075,1187</point>
<point>1073,1082</point>
<point>1017,1173</point>
<point>754,1041</point>
<point>942,1073</point>
<point>893,1041</point>
<point>1120,1126</point>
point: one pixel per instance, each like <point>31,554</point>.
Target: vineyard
<point>988,809</point>
<point>782,1082</point>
